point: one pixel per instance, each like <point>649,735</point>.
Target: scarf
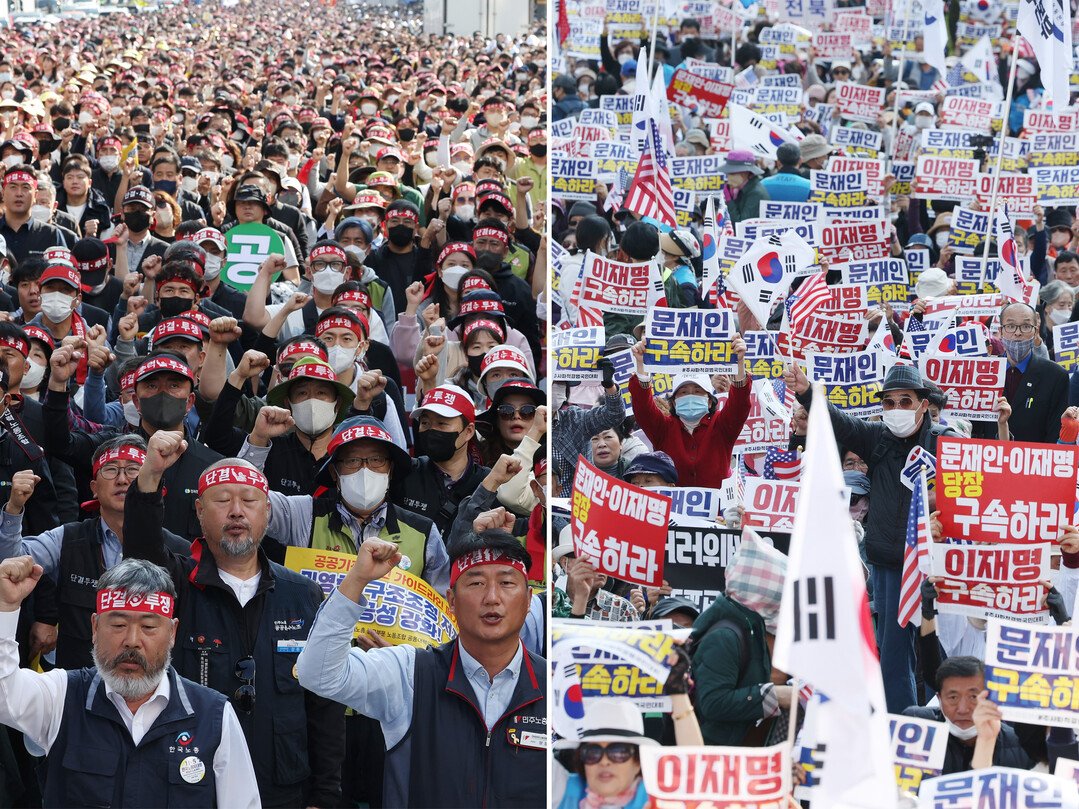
<point>593,801</point>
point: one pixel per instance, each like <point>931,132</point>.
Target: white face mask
<point>463,167</point>
<point>494,118</point>
<point>85,118</point>
<point>451,276</point>
<point>368,109</point>
<point>12,160</point>
<point>190,184</point>
<point>293,161</point>
<point>131,414</point>
<point>941,237</point>
<point>227,162</point>
<point>314,416</point>
<point>357,251</point>
<point>901,423</point>
<point>341,358</point>
<point>40,213</point>
<point>56,306</point>
<point>365,489</point>
<point>326,281</point>
<point>164,217</point>
<point>966,734</point>
<point>32,378</point>
<point>465,212</point>
<point>529,122</point>
<point>624,57</point>
<point>922,121</point>
<point>213,267</point>
<point>109,162</point>
<point>1059,316</point>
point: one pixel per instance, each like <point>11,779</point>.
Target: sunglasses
<point>244,698</point>
<point>617,752</point>
<point>507,412</point>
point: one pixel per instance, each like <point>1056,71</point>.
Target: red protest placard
<point>707,96</point>
<point>614,286</point>
<point>833,44</point>
<point>1018,191</point>
<point>945,177</point>
<point>968,113</point>
<point>854,241</point>
<point>858,102</point>
<point>770,504</point>
<point>991,581</point>
<point>718,777</point>
<point>621,529</point>
<point>997,491</point>
<point>972,384</point>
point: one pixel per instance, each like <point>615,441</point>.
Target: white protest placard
<point>998,581</point>
<point>858,102</point>
<point>575,352</point>
<point>770,504</point>
<point>690,341</point>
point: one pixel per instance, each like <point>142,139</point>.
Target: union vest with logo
<point>407,530</point>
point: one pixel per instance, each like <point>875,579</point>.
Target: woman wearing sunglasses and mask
<point>509,418</point>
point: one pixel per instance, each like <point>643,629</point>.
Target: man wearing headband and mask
<point>22,233</point>
<point>75,555</point>
<point>243,619</point>
<point>164,394</point>
<point>465,723</point>
<point>128,730</point>
<point>885,446</point>
<point>225,296</point>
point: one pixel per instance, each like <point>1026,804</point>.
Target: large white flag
<point>643,108</point>
<point>755,132</point>
<point>980,62</point>
<point>1011,279</point>
<point>936,35</point>
<point>824,618</point>
<point>710,249</point>
<point>767,270</point>
<point>1047,26</point>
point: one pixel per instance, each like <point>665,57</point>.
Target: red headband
<point>233,474</point>
<point>328,249</point>
<point>492,233</point>
<point>484,556</point>
<point>303,347</point>
<point>125,452</point>
<point>354,296</point>
<point>156,603</point>
<point>18,343</point>
<point>489,325</point>
<point>402,213</point>
<point>20,177</point>
<point>340,322</point>
<point>175,279</point>
<point>38,333</point>
<point>540,467</point>
<point>455,247</point>
<point>94,264</point>
<point>475,282</point>
<point>127,381</point>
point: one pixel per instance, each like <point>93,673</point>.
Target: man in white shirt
<point>129,731</point>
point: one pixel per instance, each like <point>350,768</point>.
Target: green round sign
<point>246,247</point>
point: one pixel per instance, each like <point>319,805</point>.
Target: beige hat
<point>814,146</point>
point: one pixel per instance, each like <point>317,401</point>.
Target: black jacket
<point>398,270</point>
<point>181,479</point>
<point>106,299</point>
<point>33,237</point>
<point>424,491</point>
<point>1006,753</point>
<point>97,209</point>
<point>885,455</point>
<point>154,247</point>
<point>1040,400</point>
<point>297,740</point>
<point>520,308</point>
<point>292,218</point>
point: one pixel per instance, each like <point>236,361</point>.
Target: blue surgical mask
<point>1018,350</point>
<point>691,408</point>
<point>168,186</point>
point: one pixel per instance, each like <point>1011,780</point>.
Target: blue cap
<point>629,68</point>
<point>656,463</point>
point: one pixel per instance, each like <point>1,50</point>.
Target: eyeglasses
<point>508,412</point>
<point>353,465</point>
<point>905,403</point>
<point>322,265</point>
<point>245,694</point>
<point>111,472</point>
<point>1018,328</point>
<point>617,752</point>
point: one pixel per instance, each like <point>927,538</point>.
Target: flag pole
<point>735,28</point>
<point>791,730</point>
<point>655,32</point>
<point>1000,151</point>
<point>899,78</point>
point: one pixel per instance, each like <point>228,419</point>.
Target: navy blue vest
<point>94,761</point>
<point>450,757</point>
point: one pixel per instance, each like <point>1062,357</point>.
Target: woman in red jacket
<point>697,436</point>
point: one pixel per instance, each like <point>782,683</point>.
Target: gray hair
<point>137,577</point>
<point>1052,291</point>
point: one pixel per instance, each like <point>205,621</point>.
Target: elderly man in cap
<point>465,723</point>
<point>128,730</point>
<point>744,191</point>
<point>885,447</point>
<point>814,151</point>
<point>243,619</point>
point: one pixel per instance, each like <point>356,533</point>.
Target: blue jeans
<point>898,656</point>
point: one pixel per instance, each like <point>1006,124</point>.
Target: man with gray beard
<point>242,622</point>
<point>130,731</point>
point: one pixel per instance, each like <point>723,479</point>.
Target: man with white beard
<point>129,731</point>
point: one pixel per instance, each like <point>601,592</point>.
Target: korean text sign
<point>690,340</point>
<point>621,529</point>
<point>752,777</point>
<point>1032,673</point>
<point>999,786</point>
<point>972,384</point>
<point>918,748</point>
<point>1013,492</point>
<point>991,581</point>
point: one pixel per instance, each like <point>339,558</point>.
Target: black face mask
<point>46,147</point>
<point>400,235</point>
<point>405,135</point>
<point>137,221</point>
<point>60,124</point>
<point>437,445</point>
<point>171,307</point>
<point>539,150</point>
<point>163,412</point>
<point>488,260</point>
<point>168,186</point>
<point>474,364</point>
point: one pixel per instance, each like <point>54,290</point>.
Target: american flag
<point>915,557</point>
<point>651,194</point>
<point>783,393</point>
<point>812,294</point>
<point>782,465</point>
